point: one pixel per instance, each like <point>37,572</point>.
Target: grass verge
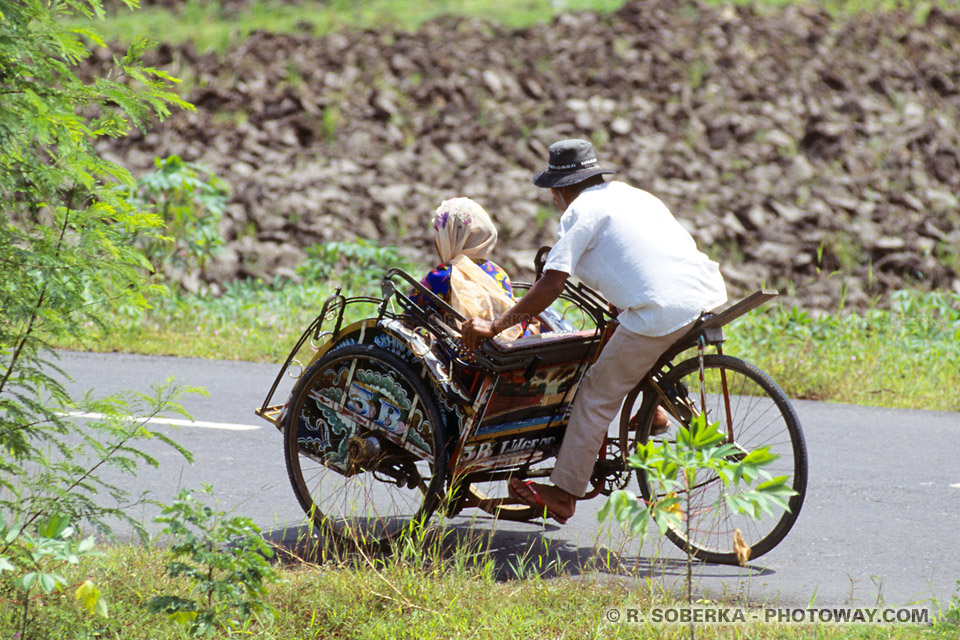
<point>905,355</point>
<point>211,26</point>
<point>428,589</point>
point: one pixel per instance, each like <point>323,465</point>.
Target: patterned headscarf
<point>462,227</point>
<point>464,233</point>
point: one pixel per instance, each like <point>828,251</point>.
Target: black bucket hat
<point>571,161</point>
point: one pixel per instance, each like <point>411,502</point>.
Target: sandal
<point>539,501</point>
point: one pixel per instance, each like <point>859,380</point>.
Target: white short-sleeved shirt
<point>625,243</point>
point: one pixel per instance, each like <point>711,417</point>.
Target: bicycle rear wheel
<point>761,415</point>
<point>365,445</point>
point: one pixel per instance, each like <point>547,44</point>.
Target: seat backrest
<point>537,378</point>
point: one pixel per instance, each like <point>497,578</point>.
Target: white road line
<point>176,422</point>
<point>956,486</point>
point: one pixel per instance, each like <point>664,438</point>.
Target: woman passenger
<point>466,278</point>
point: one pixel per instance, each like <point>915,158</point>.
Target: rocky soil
<point>790,145</point>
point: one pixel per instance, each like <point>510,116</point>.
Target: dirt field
<point>790,145</point>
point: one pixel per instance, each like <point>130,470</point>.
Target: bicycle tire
<point>372,501</point>
<point>754,396</point>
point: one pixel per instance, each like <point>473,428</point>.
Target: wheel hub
<point>361,450</point>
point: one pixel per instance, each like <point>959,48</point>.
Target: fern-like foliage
<point>65,250</point>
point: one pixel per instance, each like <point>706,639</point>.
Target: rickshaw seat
<point>535,342</point>
<point>710,325</point>
<point>544,348</point>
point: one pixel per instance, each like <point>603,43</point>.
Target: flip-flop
<point>539,501</point>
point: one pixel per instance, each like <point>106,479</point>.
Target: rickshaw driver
<point>625,243</point>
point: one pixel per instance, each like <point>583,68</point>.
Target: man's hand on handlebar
<point>474,331</point>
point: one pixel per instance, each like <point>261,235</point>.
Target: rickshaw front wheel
<point>364,445</point>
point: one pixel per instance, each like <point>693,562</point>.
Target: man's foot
<point>661,422</point>
<point>558,504</point>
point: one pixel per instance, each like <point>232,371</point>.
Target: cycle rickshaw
<point>388,423</point>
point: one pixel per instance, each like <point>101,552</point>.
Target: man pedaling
<point>625,243</point>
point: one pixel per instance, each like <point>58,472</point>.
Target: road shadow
<point>505,554</point>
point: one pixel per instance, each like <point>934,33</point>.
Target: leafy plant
<point>952,615</point>
<point>225,561</point>
<point>65,250</point>
<point>671,468</point>
<point>356,266</point>
<point>54,467</point>
<point>331,121</point>
<point>34,555</point>
<point>190,200</point>
<point>45,491</point>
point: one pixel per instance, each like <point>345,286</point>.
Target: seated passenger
<point>464,237</point>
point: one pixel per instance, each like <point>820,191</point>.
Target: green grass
<point>252,321</point>
<point>430,588</point>
<point>209,26</point>
<point>906,356</point>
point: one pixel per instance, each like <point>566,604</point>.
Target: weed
<point>599,138</point>
<point>35,554</point>
<point>356,266</point>
<point>543,216</point>
<point>231,118</point>
<point>672,469</point>
<point>190,200</point>
<point>331,122</point>
<point>901,356</point>
<point>293,75</point>
<point>445,583</point>
<point>947,255</point>
<point>839,251</point>
<point>697,73</point>
<point>952,615</point>
<point>225,561</point>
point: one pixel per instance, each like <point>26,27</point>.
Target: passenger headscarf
<point>464,232</point>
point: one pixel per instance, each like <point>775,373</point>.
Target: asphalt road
<point>879,524</point>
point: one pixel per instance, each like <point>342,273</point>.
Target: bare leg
<point>661,422</point>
